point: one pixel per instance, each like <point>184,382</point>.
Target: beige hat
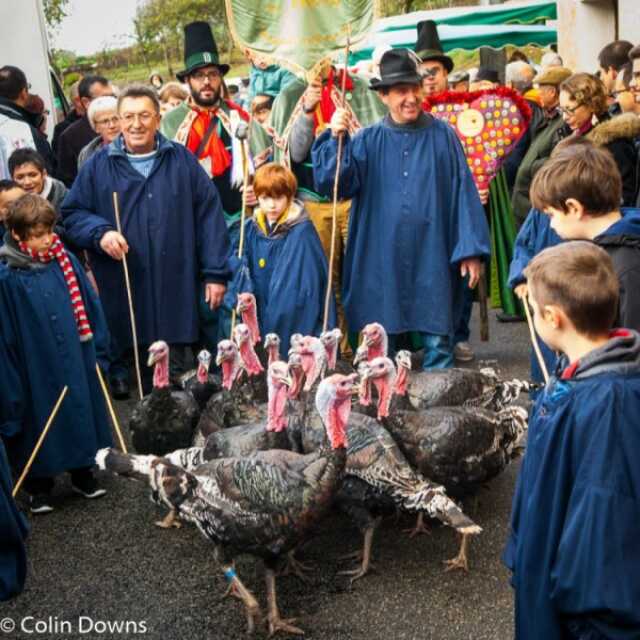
<point>553,75</point>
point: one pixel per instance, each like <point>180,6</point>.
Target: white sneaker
<point>462,352</point>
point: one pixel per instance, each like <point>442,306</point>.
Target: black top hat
<point>397,66</point>
<point>200,50</point>
<point>428,45</point>
<point>485,73</point>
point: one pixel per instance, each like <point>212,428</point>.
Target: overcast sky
<point>91,24</point>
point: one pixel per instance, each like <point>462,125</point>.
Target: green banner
<point>299,35</point>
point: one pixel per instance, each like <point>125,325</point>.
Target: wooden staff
<point>132,317</point>
<point>114,419</point>
<point>336,180</point>
<point>534,339</point>
<point>43,435</point>
<point>242,136</point>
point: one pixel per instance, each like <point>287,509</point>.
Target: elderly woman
<point>105,121</point>
<point>583,104</point>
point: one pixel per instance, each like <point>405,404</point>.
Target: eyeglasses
<point>109,121</point>
<point>569,111</point>
<point>145,117</point>
<point>201,76</point>
<point>430,73</point>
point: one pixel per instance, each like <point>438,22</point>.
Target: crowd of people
<point>155,173</point>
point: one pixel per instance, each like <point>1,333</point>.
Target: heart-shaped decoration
<point>488,123</point>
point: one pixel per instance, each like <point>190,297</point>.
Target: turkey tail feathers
<point>187,459</point>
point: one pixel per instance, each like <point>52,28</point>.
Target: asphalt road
<point>100,563</point>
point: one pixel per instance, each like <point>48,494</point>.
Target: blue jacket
<point>415,216</point>
<point>534,235</point>
<point>176,232</point>
<point>13,532</point>
<point>573,546</point>
<point>288,272</point>
<point>270,81</point>
<point>39,336</point>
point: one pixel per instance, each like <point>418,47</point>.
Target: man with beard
<point>203,122</point>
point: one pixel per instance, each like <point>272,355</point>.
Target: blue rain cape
<point>415,216</point>
<point>573,546</point>
<point>43,351</point>
<point>176,232</point>
<point>286,270</point>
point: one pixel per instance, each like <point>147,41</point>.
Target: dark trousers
<point>45,485</point>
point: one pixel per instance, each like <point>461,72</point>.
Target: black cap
<point>428,46</point>
<point>397,66</point>
<point>490,75</point>
<point>200,50</point>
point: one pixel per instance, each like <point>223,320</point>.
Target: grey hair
<point>139,91</point>
<point>100,105</point>
<point>519,75</point>
<point>550,59</point>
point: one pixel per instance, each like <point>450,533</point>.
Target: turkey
<point>200,383</point>
<point>250,362</point>
<point>314,360</point>
<point>272,347</point>
<point>375,458</point>
<point>244,440</point>
<point>236,403</point>
<point>249,505</point>
<point>454,387</point>
<point>375,343</point>
<point>165,419</point>
<point>248,311</point>
<point>458,447</point>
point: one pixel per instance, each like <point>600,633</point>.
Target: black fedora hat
<point>487,74</point>
<point>428,46</point>
<point>200,50</point>
<point>397,66</point>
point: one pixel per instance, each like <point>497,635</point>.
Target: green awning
<point>469,37</point>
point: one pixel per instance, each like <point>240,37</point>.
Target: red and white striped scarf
<point>58,252</point>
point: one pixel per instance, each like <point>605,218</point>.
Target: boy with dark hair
<point>573,546</point>
<point>580,189</point>
<point>28,170</point>
<point>611,60</point>
<point>52,331</point>
<point>9,191</point>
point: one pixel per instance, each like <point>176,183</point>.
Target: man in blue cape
<point>417,225</point>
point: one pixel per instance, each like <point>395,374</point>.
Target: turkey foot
<point>366,566</point>
<point>238,590</point>
<point>460,561</point>
<point>169,521</point>
<point>420,527</point>
<point>296,568</point>
<point>274,621</point>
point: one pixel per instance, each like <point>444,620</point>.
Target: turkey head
<point>248,310</point>
<point>278,381</point>
<point>331,341</point>
<point>242,338</point>
<point>314,360</point>
<point>228,359</point>
<point>375,343</point>
<point>382,373</point>
<point>159,359</point>
<point>403,361</point>
<point>272,347</point>
<point>333,403</point>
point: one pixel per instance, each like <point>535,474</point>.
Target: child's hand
<point>522,291</point>
<point>114,245</point>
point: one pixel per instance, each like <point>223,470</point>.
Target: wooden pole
<point>114,419</point>
<point>243,216</point>
<point>43,435</point>
<point>484,309</point>
<point>132,317</point>
<point>336,181</point>
<point>534,339</point>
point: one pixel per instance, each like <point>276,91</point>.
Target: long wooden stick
<point>114,419</point>
<point>336,180</point>
<point>534,340</point>
<point>43,435</point>
<point>132,316</point>
<point>243,216</point>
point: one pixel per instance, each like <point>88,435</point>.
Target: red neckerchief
<point>59,253</point>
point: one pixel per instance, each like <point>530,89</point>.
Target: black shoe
<point>508,317</point>
<point>119,389</point>
<point>87,486</point>
<point>40,503</point>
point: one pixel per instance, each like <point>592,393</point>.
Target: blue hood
<point>627,227</point>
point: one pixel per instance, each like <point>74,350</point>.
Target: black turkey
<point>165,419</point>
<point>263,508</point>
<point>200,383</point>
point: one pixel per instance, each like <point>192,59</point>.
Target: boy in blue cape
<point>286,263</point>
<point>573,546</point>
<point>580,188</point>
<point>53,331</point>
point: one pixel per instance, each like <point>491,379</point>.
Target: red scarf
<point>58,252</point>
<point>326,107</point>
